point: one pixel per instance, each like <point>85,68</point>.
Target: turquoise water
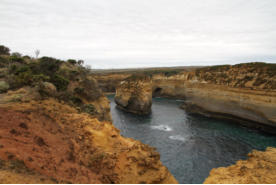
<point>190,145</point>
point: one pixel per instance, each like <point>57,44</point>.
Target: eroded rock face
<point>57,143</point>
<point>260,168</point>
<point>135,95</point>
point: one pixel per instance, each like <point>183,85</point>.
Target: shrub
<point>16,54</point>
<point>3,61</point>
<point>16,59</point>
<point>79,91</point>
<point>25,78</point>
<point>80,62</point>
<point>89,108</point>
<point>170,73</point>
<point>72,61</point>
<point>21,69</point>
<point>48,65</point>
<point>68,73</point>
<point>4,50</point>
<point>77,101</point>
<point>13,68</point>
<point>88,89</point>
<point>60,82</point>
<point>137,77</point>
<point>26,57</point>
<point>40,78</point>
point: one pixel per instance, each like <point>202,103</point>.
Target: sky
<point>142,33</point>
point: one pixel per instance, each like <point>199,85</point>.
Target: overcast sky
<point>142,33</point>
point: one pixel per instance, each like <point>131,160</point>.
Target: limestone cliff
<point>51,141</point>
<point>227,92</point>
<point>260,168</point>
<point>244,92</point>
<point>135,95</point>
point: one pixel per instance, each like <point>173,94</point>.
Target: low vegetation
<point>247,75</point>
<point>70,79</point>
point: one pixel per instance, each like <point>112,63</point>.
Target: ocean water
<point>189,145</point>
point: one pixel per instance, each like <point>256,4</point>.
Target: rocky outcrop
<point>51,141</point>
<point>260,168</point>
<point>135,95</point>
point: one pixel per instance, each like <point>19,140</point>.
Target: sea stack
<point>134,94</point>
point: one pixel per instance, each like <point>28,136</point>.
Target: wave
<point>178,138</point>
<point>162,127</point>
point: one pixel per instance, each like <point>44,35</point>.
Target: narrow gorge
<point>245,93</point>
<point>237,108</point>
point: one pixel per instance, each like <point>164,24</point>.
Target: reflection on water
<point>190,146</point>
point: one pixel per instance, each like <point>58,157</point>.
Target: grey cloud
<point>136,33</point>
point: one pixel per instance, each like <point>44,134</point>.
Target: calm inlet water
<point>190,146</point>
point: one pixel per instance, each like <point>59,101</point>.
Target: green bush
<point>16,59</point>
<point>40,78</point>
<point>4,50</point>
<point>13,68</point>
<point>79,91</point>
<point>21,69</point>
<point>3,61</point>
<point>77,101</point>
<point>89,108</point>
<point>16,54</point>
<point>26,57</point>
<point>60,82</point>
<point>25,78</point>
<point>49,66</point>
<point>72,61</point>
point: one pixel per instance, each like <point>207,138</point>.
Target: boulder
<point>4,86</point>
<point>48,88</point>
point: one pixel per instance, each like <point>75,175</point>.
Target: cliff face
<point>243,92</point>
<point>260,168</point>
<point>135,95</point>
<point>53,141</point>
<point>236,96</point>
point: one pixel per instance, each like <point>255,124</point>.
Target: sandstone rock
<point>135,95</point>
<point>260,168</point>
<point>54,140</point>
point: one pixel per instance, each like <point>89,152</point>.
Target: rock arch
<point>157,92</point>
